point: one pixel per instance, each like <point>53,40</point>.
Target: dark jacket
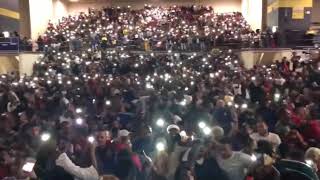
<point>224,118</point>
<point>46,169</point>
<point>106,159</point>
<point>209,169</point>
<point>125,168</point>
<point>290,169</point>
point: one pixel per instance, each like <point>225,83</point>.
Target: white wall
<point>60,9</point>
<point>41,11</point>
<point>315,16</point>
<point>252,12</point>
<point>254,57</point>
<point>26,61</point>
<point>8,63</point>
<point>76,8</point>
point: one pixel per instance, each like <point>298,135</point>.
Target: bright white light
<point>253,78</point>
<point>79,121</point>
<point>229,103</point>
<point>183,102</point>
<point>149,86</point>
<point>45,136</point>
<point>236,106</point>
<point>69,82</point>
<point>202,125</point>
<point>91,139</point>
<point>28,167</point>
<point>253,158</point>
<point>206,130</point>
<point>244,106</point>
<point>309,162</point>
<point>49,82</point>
<point>183,134</point>
<point>6,34</point>
<point>160,146</point>
<point>78,110</point>
<point>160,122</point>
<point>108,102</point>
<point>277,96</point>
<point>274,29</point>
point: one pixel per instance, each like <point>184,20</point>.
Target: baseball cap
<point>172,126</point>
<point>123,133</point>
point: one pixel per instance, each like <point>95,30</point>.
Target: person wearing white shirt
<point>79,173</point>
<point>14,101</point>
<point>235,164</point>
<point>263,134</point>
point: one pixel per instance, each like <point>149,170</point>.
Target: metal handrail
<point>18,46</point>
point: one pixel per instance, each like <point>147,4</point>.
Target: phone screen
<point>28,166</point>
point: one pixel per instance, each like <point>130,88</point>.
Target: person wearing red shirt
<point>123,143</point>
<point>4,164</point>
<point>311,130</point>
<point>299,116</point>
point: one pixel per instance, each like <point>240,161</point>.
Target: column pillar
<point>315,14</point>
<point>24,23</point>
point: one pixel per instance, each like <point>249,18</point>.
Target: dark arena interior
<point>159,90</point>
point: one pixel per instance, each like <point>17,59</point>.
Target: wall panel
<point>9,15</point>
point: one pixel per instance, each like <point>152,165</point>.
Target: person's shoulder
<point>59,173</point>
<point>237,156</point>
<point>242,157</point>
<point>254,135</point>
<point>314,122</point>
<point>273,135</point>
<point>241,154</point>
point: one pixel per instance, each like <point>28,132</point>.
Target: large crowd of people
<point>152,28</point>
<point>98,113</point>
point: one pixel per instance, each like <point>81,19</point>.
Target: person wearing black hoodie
<point>125,169</point>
